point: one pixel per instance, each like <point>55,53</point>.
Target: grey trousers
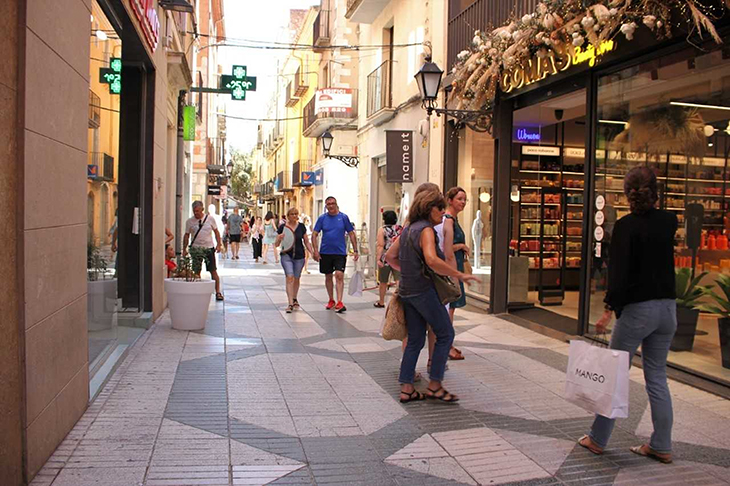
<point>650,324</point>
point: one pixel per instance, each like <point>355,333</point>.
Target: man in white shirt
<point>201,228</point>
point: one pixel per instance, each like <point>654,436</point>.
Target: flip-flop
<point>458,356</point>
<point>379,305</point>
<point>218,296</point>
<point>587,443</point>
<point>646,451</point>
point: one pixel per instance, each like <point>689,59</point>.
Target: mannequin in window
<point>477,228</point>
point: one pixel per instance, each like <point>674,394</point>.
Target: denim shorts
<point>292,268</point>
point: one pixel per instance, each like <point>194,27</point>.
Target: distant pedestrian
<point>387,234</point>
<point>415,248</point>
<point>234,228</point>
<point>257,237</point>
<point>270,227</point>
<point>199,232</point>
<point>307,224</point>
<point>226,236</point>
<point>332,256</point>
<point>293,258</point>
<point>642,294</point>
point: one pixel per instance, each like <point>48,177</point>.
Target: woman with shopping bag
<point>641,293</point>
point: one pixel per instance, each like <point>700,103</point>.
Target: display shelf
<point>573,173</point>
<point>538,220</point>
<point>538,204</point>
<point>533,171</point>
<point>538,236</point>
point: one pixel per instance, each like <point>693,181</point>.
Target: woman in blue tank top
<point>416,246</point>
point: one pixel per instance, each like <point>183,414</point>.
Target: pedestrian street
<point>265,397</point>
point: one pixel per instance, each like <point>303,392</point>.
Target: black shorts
<point>210,260</point>
<point>332,263</point>
<point>235,238</point>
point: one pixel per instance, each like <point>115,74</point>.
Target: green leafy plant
<point>190,265</point>
<point>689,292</point>
<point>721,305</point>
<point>95,263</point>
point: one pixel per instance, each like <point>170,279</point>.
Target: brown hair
<point>453,192</point>
<point>292,210</point>
<point>423,203</point>
<point>427,186</point>
<point>640,187</point>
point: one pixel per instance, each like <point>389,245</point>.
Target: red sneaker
<point>340,307</point>
<point>330,304</point>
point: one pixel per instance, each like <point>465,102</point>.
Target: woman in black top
<point>641,293</point>
<point>292,259</point>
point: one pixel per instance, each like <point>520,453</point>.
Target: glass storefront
<point>673,115</point>
<point>110,319</point>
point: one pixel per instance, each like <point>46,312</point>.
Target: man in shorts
<point>233,225</point>
<point>201,228</point>
<point>332,256</point>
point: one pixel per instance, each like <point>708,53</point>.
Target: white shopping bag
<point>598,379</point>
<point>356,284</point>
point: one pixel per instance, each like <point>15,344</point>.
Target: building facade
<point>87,203</point>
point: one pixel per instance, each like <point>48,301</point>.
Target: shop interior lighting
<point>699,105</point>
<point>614,122</point>
<point>101,35</point>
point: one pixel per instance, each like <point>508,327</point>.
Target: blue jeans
<point>420,311</point>
<point>650,324</point>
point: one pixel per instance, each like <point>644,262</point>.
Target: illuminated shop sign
<point>528,134</point>
<point>112,75</point>
<point>238,83</point>
<point>559,59</point>
<point>146,13</point>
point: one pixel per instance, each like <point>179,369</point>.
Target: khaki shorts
<point>385,272</point>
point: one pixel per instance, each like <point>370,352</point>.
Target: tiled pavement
<point>264,397</point>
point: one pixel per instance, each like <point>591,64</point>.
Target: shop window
<point>672,115</point>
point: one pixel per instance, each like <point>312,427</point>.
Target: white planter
<point>102,303</point>
<point>188,303</point>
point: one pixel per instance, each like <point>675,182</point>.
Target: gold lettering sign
<point>559,59</point>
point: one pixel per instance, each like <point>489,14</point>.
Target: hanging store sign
<point>399,155</point>
<point>541,150</point>
<point>214,190</point>
<point>334,100</point>
<point>319,177</point>
<point>112,75</point>
<point>559,59</point>
<point>307,179</point>
<point>146,13</point>
<point>238,83</point>
<point>189,123</point>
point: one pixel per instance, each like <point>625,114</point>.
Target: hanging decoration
<point>559,32</point>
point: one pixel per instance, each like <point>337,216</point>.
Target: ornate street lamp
<point>428,80</point>
<point>348,160</point>
<point>177,6</point>
<point>229,166</point>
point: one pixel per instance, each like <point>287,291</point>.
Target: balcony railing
<point>315,124</point>
<point>297,168</point>
<point>321,34</point>
<point>94,110</point>
<point>101,166</point>
<point>379,90</point>
<point>300,83</point>
<point>291,100</point>
<point>481,15</point>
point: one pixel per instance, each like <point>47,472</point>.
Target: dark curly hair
<point>640,187</point>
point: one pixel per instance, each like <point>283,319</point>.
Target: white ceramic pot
<point>102,303</point>
<point>188,303</point>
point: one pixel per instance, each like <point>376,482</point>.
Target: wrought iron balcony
<point>380,94</point>
<point>321,34</point>
<point>94,110</point>
<point>332,113</point>
<point>100,166</point>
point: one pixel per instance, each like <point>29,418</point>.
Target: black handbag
<point>446,289</point>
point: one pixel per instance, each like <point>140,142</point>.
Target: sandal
<point>296,304</point>
<point>379,305</point>
<point>445,397</point>
<point>413,396</point>
<point>457,355</point>
<point>289,309</point>
<point>218,296</point>
<point>646,451</point>
<point>587,443</point>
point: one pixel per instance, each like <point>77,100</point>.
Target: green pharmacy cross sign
<point>112,75</point>
<point>238,83</point>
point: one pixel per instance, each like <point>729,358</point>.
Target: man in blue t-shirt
<point>332,256</point>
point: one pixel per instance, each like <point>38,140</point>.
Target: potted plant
<point>721,307</point>
<point>188,297</point>
<point>688,295</point>
<point>102,290</point>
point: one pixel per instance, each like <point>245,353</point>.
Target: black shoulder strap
<point>200,227</point>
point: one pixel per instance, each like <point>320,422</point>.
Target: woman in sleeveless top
<point>270,233</point>
<point>416,247</point>
<point>387,234</point>
<point>455,248</point>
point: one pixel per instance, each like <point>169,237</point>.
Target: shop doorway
<point>548,164</point>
